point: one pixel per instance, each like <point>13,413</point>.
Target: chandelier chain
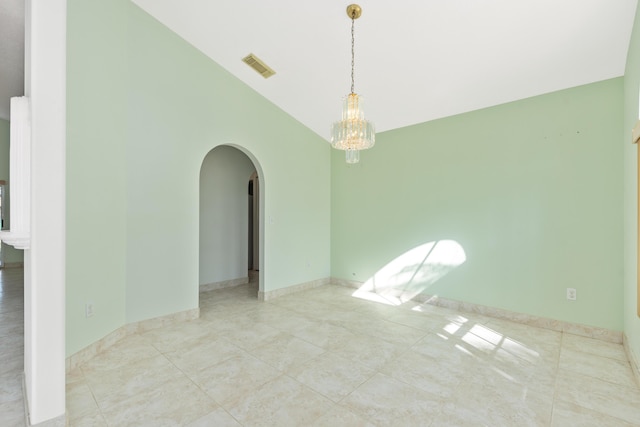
<point>353,52</point>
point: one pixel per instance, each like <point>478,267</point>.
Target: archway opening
<point>230,236</point>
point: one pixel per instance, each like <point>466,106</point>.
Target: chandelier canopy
<point>353,132</point>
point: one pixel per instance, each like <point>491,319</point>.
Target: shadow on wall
<point>412,272</point>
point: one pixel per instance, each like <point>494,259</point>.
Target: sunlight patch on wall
<point>412,272</point>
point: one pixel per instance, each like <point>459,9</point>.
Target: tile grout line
<point>202,390</point>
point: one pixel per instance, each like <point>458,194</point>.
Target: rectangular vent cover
<point>254,62</point>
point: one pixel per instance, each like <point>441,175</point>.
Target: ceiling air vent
<point>254,62</point>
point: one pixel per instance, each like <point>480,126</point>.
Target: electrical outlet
<point>571,294</point>
<point>88,309</point>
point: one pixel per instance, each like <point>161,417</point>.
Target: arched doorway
<point>230,233</point>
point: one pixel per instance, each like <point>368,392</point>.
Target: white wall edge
<point>44,326</point>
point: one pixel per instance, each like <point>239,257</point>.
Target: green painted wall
<point>631,115</point>
<point>530,190</point>
<point>9,253</point>
<point>145,108</point>
<point>96,170</point>
<point>181,105</point>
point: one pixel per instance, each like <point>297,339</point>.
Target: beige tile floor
<point>11,347</point>
<point>325,358</point>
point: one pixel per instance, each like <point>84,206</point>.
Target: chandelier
<point>353,133</point>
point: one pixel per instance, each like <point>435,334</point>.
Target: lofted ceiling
<point>416,60</point>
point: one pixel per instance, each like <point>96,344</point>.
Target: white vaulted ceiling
<point>416,60</point>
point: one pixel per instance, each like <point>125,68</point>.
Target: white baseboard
<point>224,284</point>
<point>25,401</point>
<point>526,319</point>
<point>633,359</point>
<point>109,340</point>
<point>13,265</point>
<point>269,295</point>
<point>60,421</point>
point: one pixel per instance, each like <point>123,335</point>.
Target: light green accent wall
<point>531,190</point>
<point>96,174</point>
<point>181,105</point>
<point>224,215</point>
<point>631,115</point>
<point>145,108</point>
<point>9,253</point>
